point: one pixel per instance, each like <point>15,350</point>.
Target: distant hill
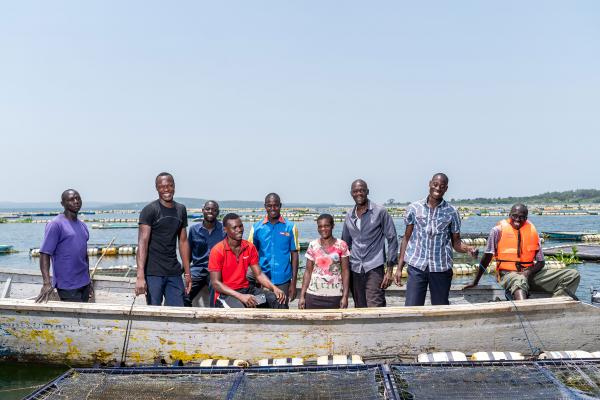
<point>583,196</point>
<point>191,202</point>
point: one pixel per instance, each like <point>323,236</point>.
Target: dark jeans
<point>224,301</point>
<point>79,295</point>
<point>197,285</point>
<point>168,287</point>
<point>366,288</point>
<point>416,287</point>
<point>284,287</point>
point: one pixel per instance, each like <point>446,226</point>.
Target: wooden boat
<point>5,248</point>
<point>84,334</point>
<point>115,225</point>
<point>574,236</point>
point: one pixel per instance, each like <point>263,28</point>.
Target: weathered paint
<point>87,333</point>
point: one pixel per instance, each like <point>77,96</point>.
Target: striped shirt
<point>430,245</point>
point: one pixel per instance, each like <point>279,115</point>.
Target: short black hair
<point>359,181</point>
<point>273,195</point>
<point>326,216</point>
<point>228,217</point>
<point>64,194</point>
<point>519,206</point>
<point>164,174</point>
<point>211,201</point>
<point>442,175</point>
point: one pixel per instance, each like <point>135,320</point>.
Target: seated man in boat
<point>202,238</point>
<point>276,240</point>
<point>228,265</point>
<point>162,224</point>
<point>516,247</point>
<point>65,244</point>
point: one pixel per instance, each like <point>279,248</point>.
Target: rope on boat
<point>535,351</point>
<point>127,334</point>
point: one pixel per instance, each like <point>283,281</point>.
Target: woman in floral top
<point>327,274</point>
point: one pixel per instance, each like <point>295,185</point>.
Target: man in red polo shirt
<point>228,263</point>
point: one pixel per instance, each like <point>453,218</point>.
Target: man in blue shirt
<point>202,238</point>
<point>276,240</point>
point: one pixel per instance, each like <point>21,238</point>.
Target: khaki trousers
<point>553,281</point>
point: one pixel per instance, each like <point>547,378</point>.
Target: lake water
<point>29,235</point>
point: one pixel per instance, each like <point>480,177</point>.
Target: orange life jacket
<point>514,253</point>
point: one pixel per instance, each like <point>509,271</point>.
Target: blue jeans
<point>416,287</point>
<point>168,287</point>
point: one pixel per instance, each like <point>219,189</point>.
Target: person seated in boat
<point>276,240</point>
<point>367,229</point>
<point>516,247</point>
<point>202,238</point>
<point>162,224</point>
<point>65,247</point>
<point>431,236</point>
<point>327,275</point>
<point>228,265</point>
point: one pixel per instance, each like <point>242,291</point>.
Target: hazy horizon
<point>239,99</point>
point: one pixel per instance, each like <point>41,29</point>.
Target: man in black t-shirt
<point>162,222</point>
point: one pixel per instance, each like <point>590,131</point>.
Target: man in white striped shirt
<point>432,233</point>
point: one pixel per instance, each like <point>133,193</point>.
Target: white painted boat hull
<point>84,334</point>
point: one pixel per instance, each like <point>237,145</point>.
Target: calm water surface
<point>26,236</point>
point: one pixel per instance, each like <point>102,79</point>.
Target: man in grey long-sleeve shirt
<point>366,229</point>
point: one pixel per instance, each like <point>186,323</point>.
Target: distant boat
<point>5,248</point>
<point>574,236</point>
<point>116,225</point>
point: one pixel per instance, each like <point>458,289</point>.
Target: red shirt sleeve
<point>215,259</point>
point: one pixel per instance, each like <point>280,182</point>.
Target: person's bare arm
<point>407,234</point>
<point>531,271</point>
<point>266,282</point>
<point>294,259</point>
<point>459,246</point>
<point>185,252</point>
<point>310,265</point>
<point>47,288</point>
<point>345,282</point>
<point>483,264</point>
<point>141,256</point>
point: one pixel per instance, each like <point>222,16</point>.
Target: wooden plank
<point>5,288</point>
<point>57,335</point>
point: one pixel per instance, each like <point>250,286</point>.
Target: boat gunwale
<point>531,305</point>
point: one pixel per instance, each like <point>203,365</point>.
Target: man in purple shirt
<point>65,247</point>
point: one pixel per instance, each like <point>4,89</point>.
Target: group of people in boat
<point>263,270</point>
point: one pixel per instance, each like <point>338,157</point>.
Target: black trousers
<point>224,301</point>
<point>79,295</point>
<point>366,288</point>
<point>197,285</point>
<point>416,287</point>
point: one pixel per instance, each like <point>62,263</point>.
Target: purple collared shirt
<point>65,241</point>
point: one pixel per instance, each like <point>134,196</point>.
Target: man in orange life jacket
<point>515,245</point>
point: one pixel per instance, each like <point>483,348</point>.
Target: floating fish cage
<point>552,379</point>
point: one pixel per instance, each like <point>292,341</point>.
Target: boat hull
<point>84,334</point>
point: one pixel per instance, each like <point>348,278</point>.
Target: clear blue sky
<point>238,99</point>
